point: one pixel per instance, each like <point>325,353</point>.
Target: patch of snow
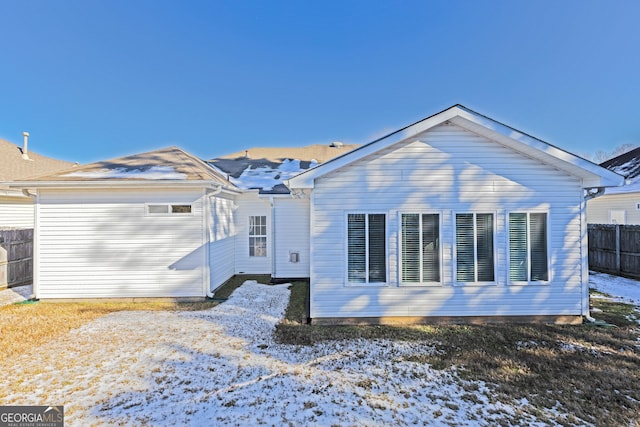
<point>620,288</point>
<point>222,367</point>
<point>154,172</point>
<point>17,294</point>
<point>266,177</point>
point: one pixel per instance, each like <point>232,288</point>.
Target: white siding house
<point>157,224</point>
<point>16,208</point>
<point>454,216</point>
<point>619,205</point>
<point>103,243</point>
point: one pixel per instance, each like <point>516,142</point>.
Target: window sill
<point>540,283</point>
<point>367,285</point>
<point>474,284</point>
<point>421,285</point>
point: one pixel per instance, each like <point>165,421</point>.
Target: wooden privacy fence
<point>615,248</point>
<point>16,257</point>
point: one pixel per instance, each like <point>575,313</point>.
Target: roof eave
<point>120,184</point>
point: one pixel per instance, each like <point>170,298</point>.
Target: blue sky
<point>92,80</point>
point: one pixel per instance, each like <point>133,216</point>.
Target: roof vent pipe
<point>25,147</point>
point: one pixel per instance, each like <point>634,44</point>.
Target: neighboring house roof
<point>627,165</point>
<point>166,165</point>
<point>592,175</point>
<point>13,166</point>
<point>266,169</point>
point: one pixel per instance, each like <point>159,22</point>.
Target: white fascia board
<point>306,179</point>
<point>592,175</point>
<point>115,184</point>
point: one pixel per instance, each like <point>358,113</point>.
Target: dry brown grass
<point>26,326</point>
<point>588,371</point>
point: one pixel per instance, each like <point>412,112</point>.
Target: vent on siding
<point>294,257</point>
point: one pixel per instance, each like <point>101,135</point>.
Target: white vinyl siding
<point>222,233</point>
<point>474,247</point>
<point>258,236</point>
<point>291,225</point>
<point>102,244</point>
<point>420,248</point>
<point>16,212</point>
<point>447,170</point>
<point>599,209</point>
<point>366,253</point>
<point>528,261</point>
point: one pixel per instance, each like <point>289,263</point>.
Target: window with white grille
<point>258,236</point>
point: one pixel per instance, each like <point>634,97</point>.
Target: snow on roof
<point>267,168</point>
<point>169,163</point>
<point>627,165</point>
<point>154,172</point>
<point>267,177</point>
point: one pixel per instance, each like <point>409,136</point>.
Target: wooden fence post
<point>618,269</point>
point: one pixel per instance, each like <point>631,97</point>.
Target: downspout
<point>209,225</point>
<point>36,243</point>
<point>273,236</point>
<point>590,193</point>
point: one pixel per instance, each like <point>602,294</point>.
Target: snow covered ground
<point>222,367</point>
<point>622,289</point>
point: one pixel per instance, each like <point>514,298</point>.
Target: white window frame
<point>528,282</point>
<point>169,212</point>
<point>400,243</point>
<point>454,266</point>
<point>386,249</point>
<point>252,237</point>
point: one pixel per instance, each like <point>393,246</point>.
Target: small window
<point>158,209</point>
<point>180,209</point>
<point>258,236</point>
<point>168,209</point>
<point>638,206</point>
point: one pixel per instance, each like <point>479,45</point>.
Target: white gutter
<point>118,184</point>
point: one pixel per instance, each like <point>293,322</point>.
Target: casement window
<point>258,236</point>
<point>420,248</point>
<point>366,248</point>
<point>528,261</point>
<point>474,247</point>
<point>166,209</point>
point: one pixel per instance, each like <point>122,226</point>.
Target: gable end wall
<point>446,170</point>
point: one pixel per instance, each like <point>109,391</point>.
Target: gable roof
<point>591,174</point>
<point>267,168</point>
<point>163,166</point>
<point>627,165</point>
<point>13,166</point>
